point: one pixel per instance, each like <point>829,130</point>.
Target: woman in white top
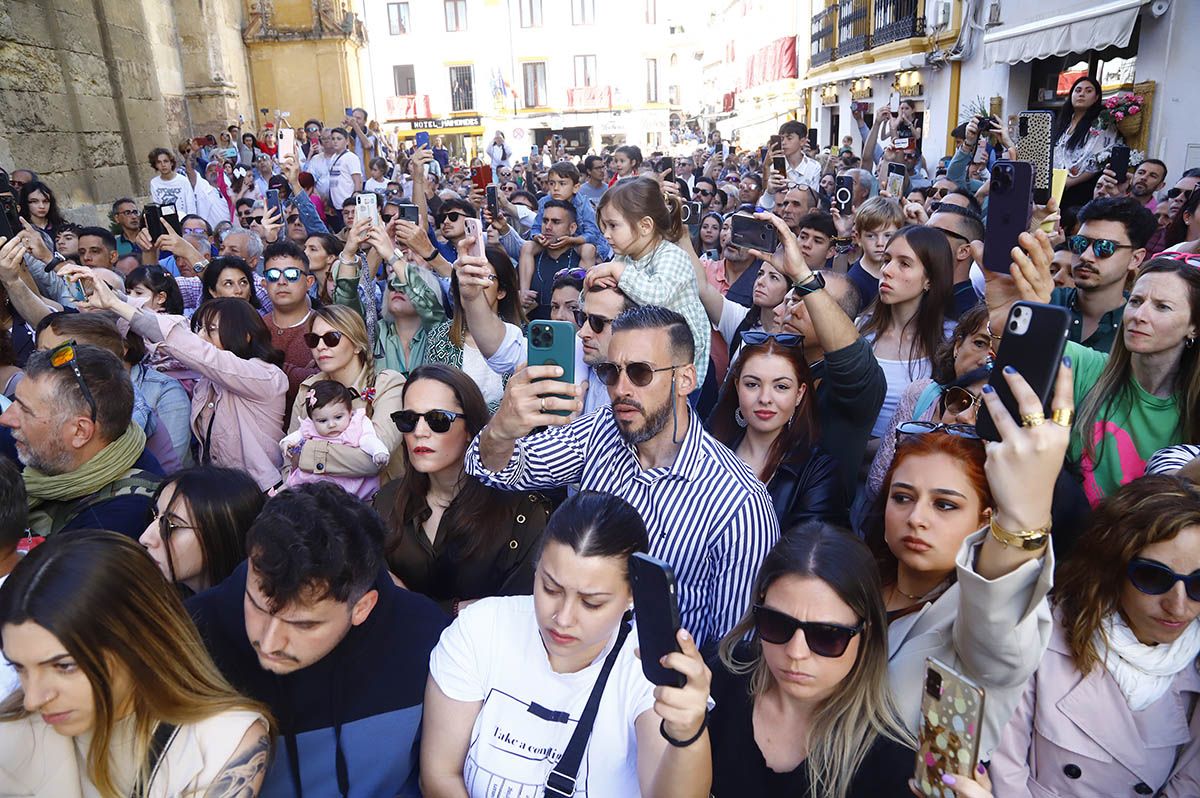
<point>907,322</point>
<point>1078,139</point>
<point>112,670</point>
<point>510,677</point>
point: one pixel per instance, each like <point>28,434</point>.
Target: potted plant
<point>1124,112</point>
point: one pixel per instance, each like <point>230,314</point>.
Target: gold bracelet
<point>1025,539</point>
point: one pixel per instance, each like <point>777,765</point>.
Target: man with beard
<point>86,466</point>
<point>734,274</point>
<point>707,514</point>
<point>1110,247</point>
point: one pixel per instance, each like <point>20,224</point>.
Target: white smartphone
<point>894,103</point>
<point>287,141</point>
<point>367,204</point>
<point>475,228</point>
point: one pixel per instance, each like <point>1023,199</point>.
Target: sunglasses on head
<point>330,339</point>
<point>291,274</point>
<point>577,273</point>
<point>1101,247</point>
<point>640,374</point>
<point>62,357</point>
<point>924,427</point>
<point>597,323</point>
<point>756,337</point>
<point>823,639</point>
<point>1154,578</point>
<point>452,216</point>
<point>439,421</point>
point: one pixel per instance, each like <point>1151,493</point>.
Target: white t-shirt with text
<point>177,191</point>
<point>342,169</point>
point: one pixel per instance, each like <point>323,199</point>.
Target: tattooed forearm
<point>242,775</point>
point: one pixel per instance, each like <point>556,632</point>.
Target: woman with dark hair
<point>322,250</point>
<point>449,536</point>
<point>237,402</point>
<point>1184,229</point>
<point>451,342</point>
<point>118,695</point>
<point>707,240</point>
<point>803,706</point>
<point>1122,657</point>
<point>198,533</point>
<point>157,288</point>
<point>908,321</point>
<point>229,276</point>
<point>767,415</point>
<point>510,672</point>
<point>39,207</point>
<point>1078,138</point>
<point>961,545</point>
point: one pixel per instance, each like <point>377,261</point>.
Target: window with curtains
<point>585,70</point>
<point>534,75</point>
<point>531,13</point>
<point>456,15</point>
<point>397,18</point>
<point>583,12</point>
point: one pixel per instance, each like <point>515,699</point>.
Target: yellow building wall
<point>283,74</point>
<point>292,15</point>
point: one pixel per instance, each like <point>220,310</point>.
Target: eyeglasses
<point>291,274</point>
<point>1154,578</point>
<point>254,219</point>
<point>63,356</point>
<point>823,639</point>
<point>439,421</point>
<point>1101,247</point>
<point>577,273</point>
<point>194,231</point>
<point>330,339</point>
<point>597,323</point>
<point>1175,192</point>
<point>640,374</point>
<point>959,400</point>
<point>452,216</point>
<point>129,212</point>
<point>925,427</point>
<point>756,337</point>
<point>166,527</point>
<point>293,219</point>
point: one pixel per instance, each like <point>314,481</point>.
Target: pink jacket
<point>359,435</point>
<point>1076,736</point>
<point>237,405</point>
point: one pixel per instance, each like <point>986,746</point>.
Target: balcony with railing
<point>846,28</point>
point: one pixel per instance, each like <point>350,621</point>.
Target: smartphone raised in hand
<point>422,139</point>
<point>410,212</point>
<point>552,343</point>
<point>287,142</point>
<point>152,214</point>
<point>951,722</point>
<point>1118,162</point>
<point>843,193</point>
<point>656,611</point>
<point>779,164</point>
<point>750,233</point>
<point>1035,144</point>
<point>493,206</point>
<point>366,205</point>
<point>1010,206</point>
<point>474,230</point>
<point>897,173</point>
<point>273,203</point>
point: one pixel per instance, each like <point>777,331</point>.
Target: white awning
<point>1085,26</point>
<point>850,73</point>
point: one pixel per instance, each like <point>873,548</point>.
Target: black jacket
<point>808,486</point>
<point>850,390</point>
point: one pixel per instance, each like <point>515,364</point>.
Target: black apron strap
<point>164,733</point>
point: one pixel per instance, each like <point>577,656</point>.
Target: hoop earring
<point>739,418</point>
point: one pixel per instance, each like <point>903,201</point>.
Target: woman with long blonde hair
<point>803,706</point>
<point>118,696</point>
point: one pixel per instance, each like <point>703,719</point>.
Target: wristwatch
<point>200,265</point>
<point>55,261</point>
<point>814,282</point>
<point>392,261</point>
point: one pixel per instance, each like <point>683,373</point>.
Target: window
<point>397,18</point>
<point>583,12</point>
<point>406,81</point>
<point>535,84</point>
<point>651,80</point>
<point>651,12</point>
<point>531,13</point>
<point>456,15</point>
<point>462,88</point>
<point>585,70</point>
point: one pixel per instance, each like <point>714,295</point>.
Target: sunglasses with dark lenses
<point>293,219</point>
<point>924,427</point>
<point>704,191</point>
<point>63,357</point>
<point>1154,578</point>
<point>597,323</point>
<point>388,218</point>
<point>291,274</point>
<point>1175,192</point>
<point>254,219</point>
<point>959,400</point>
<point>452,216</point>
<point>640,374</point>
<point>823,639</point>
<point>756,337</point>
<point>1101,247</point>
<point>578,273</point>
<point>330,339</point>
<point>438,420</point>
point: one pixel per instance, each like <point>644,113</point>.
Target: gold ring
<point>543,405</point>
<point>1063,416</point>
<point>1033,419</point>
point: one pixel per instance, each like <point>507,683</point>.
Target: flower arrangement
<point>1135,158</point>
<point>1119,107</point>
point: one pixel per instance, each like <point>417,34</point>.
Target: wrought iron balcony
<point>896,20</point>
<point>824,30</point>
<point>849,27</point>
<point>854,27</point>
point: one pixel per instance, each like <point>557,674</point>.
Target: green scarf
<point>109,465</point>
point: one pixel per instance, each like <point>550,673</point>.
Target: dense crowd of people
<point>287,506</point>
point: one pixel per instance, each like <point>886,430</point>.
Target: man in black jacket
<point>312,625</point>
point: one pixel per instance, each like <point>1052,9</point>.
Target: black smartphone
<point>152,215</point>
<point>492,207</point>
<point>656,610</point>
<point>1035,336</point>
<point>10,223</point>
<point>170,216</point>
<point>690,212</point>
<point>1118,162</point>
<point>843,193</point>
<point>1010,205</point>
<point>410,212</point>
<point>274,203</point>
<point>1035,144</point>
<point>748,232</point>
<point>779,164</point>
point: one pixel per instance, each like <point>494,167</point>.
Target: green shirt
<point>389,349</point>
<point>1106,330</point>
<point>1130,428</point>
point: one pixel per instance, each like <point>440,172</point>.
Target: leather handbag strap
<point>164,733</point>
<point>561,780</point>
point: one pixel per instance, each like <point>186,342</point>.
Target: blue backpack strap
<point>931,394</point>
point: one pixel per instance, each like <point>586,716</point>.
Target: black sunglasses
<point>756,337</point>
<point>63,356</point>
<point>922,427</point>
<point>640,374</point>
<point>452,216</point>
<point>330,339</point>
<point>1101,247</point>
<point>439,421</point>
<point>597,323</point>
<point>823,639</point>
<point>1175,192</point>
<point>1154,578</point>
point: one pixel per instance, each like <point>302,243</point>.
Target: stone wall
<point>89,87</point>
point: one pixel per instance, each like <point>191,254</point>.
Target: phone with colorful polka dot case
<point>951,722</point>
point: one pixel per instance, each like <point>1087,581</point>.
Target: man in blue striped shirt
<point>707,513</point>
